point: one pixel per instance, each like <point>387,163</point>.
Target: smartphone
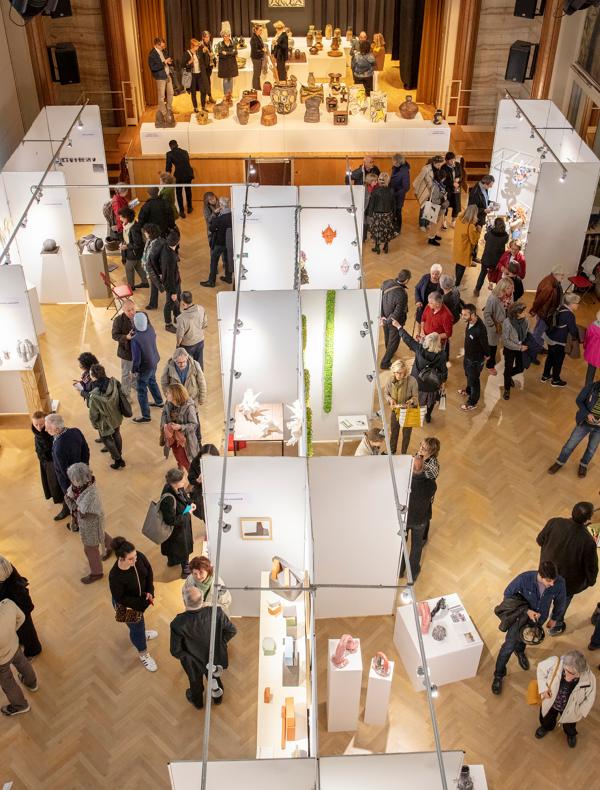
<point>188,509</point>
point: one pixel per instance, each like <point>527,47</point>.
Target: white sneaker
<point>148,662</point>
<point>151,634</point>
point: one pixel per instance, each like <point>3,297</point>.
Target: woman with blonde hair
<point>381,211</point>
<point>494,313</point>
<point>196,61</point>
<point>466,236</point>
<point>400,391</point>
<point>429,368</point>
<point>179,426</point>
<point>280,50</point>
<point>227,55</point>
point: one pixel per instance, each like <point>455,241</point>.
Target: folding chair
<point>119,292</point>
<point>585,278</point>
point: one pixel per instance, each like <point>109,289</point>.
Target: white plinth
<point>343,690</point>
<point>455,658</point>
<point>34,304</point>
<point>378,696</point>
<point>478,776</point>
<point>54,276</point>
<point>156,141</point>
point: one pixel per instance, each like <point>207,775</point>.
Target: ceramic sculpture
<point>266,88</point>
<point>334,80</point>
<point>346,645</point>
<point>294,425</point>
<point>440,605</point>
<point>464,780</point>
<point>25,350</point>
<point>49,245</point>
<point>357,100</point>
<point>439,633</point>
<point>408,109</point>
<point>312,114</point>
<point>284,96</point>
<point>202,118</point>
<point>329,234</point>
<point>378,49</point>
<point>335,51</point>
<point>381,664</point>
<point>425,615</point>
<point>310,39</point>
<point>310,90</point>
<point>328,31</point>
<point>221,111</point>
<point>243,112</point>
<point>268,116</point>
<point>340,118</point>
<point>250,407</point>
<point>331,103</point>
<point>377,106</point>
<point>438,117</point>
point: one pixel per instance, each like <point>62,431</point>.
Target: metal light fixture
<point>370,377</point>
<point>363,333</point>
<point>356,265</point>
<point>405,596</point>
<point>236,374</point>
<point>246,239</point>
<point>226,527</point>
<point>563,177</point>
<point>240,323</point>
<point>435,692</point>
<point>79,124</point>
<point>227,508</point>
<point>69,143</point>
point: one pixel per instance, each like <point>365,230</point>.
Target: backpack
<point>551,320</point>
<point>154,527</point>
<point>429,379</point>
<point>124,404</point>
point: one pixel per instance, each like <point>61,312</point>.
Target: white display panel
<point>273,488</point>
<point>352,357</point>
<point>16,321</point>
<point>270,253</point>
<point>292,774</point>
<point>331,260</point>
<point>59,279</point>
<point>354,521</point>
<point>412,771</point>
<point>266,346</point>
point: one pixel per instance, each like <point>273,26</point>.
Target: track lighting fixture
<point>363,332</point>
<point>370,377</point>
<point>236,374</point>
<point>79,124</point>
<point>405,596</point>
<point>226,527</point>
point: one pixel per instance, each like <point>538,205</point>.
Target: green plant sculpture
<point>328,355</point>
<point>309,450</point>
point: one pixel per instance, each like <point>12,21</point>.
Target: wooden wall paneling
<point>39,61</point>
<point>145,171</point>
<point>464,59</point>
<point>116,61</point>
<point>36,388</point>
<point>547,51</point>
<point>151,23</point>
<point>428,84</point>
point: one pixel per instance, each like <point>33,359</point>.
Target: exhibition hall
<point>299,330</point>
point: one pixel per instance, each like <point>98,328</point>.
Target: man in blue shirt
<point>541,589</point>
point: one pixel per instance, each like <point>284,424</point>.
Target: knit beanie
<point>140,322</point>
<point>5,569</point>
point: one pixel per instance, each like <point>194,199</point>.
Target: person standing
<point>429,368</point>
<point>568,691</point>
<point>190,644</point>
<point>122,332</point>
<point>176,508</point>
<point>280,50</point>
<point>160,67</point>
<point>183,369</point>
<point>210,208</point>
<point>512,255</point>
<point>400,391</point>
<point>171,280</point>
<point>131,583</point>
<point>166,191</point>
<point>257,55</point>
<point>569,544</point>
<point>394,307</point>
<point>206,47</point>
<point>358,176</point>
<point>476,352</point>
<point>429,283</point>
<point>228,68</point>
<point>190,325</point>
<point>363,66</point>
<point>87,518</point>
<point>452,179</point>
<point>202,577</point>
<point>541,589</point>
<point>587,423</point>
<point>153,261</point>
<point>195,480</point>
<point>120,201</point>
<point>381,210</point>
<point>195,61</point>
<point>466,236</point>
<point>495,242</point>
<point>132,249</point>
<point>437,197</point>
<point>423,185</point>
<point>561,326</point>
<point>479,196</point>
<point>11,619</point>
<point>591,349</point>
<point>83,385</point>
<point>106,413</point>
<point>437,318</point>
<point>157,211</point>
<point>400,184</point>
<point>548,298</point>
<point>14,587</point>
<point>220,227</point>
<point>179,426</point>
<point>514,335</point>
<point>145,358</point>
<point>43,449</point>
<point>494,313</point>
<point>69,447</point>
<point>178,161</point>
<point>423,487</point>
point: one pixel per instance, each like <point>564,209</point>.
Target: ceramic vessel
<point>311,113</point>
<point>314,50</point>
<point>266,88</point>
<point>221,110</point>
<point>310,39</point>
<point>357,100</point>
<point>337,33</point>
<point>268,116</point>
<point>464,780</point>
<point>438,117</point>
<point>335,51</point>
<point>310,90</point>
<point>349,34</point>
<point>250,95</point>
<point>202,118</point>
<point>377,106</point>
<point>243,111</point>
<point>331,103</point>
<point>408,109</point>
<point>328,31</point>
<point>284,96</point>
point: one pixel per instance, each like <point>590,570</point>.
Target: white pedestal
<point>156,141</point>
<point>351,428</point>
<point>34,304</point>
<point>378,696</point>
<point>478,776</point>
<point>54,276</point>
<point>343,690</point>
<point>455,658</point>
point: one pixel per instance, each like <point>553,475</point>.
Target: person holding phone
<point>176,511</point>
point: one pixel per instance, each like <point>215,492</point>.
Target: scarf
<point>76,494</point>
<point>146,254</point>
<point>205,586</point>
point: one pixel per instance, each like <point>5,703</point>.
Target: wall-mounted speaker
<point>64,66</point>
<point>30,8</point>
<point>518,60</point>
<point>525,8</point>
<point>59,9</point>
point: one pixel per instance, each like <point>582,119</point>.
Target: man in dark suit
<point>69,447</point>
<point>160,67</point>
<point>179,160</point>
<point>157,211</point>
<point>358,176</point>
<point>478,196</point>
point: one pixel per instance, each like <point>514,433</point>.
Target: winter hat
<point>140,322</point>
<point>5,569</point>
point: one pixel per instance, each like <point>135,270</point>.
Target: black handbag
<point>596,615</point>
<point>124,404</point>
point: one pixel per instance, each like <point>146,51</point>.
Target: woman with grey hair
<point>176,510</point>
<point>567,689</point>
<point>87,518</point>
<point>429,368</point>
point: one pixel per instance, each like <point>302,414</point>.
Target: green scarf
<point>205,586</point>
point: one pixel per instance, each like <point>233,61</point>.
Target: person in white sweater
<point>11,619</point>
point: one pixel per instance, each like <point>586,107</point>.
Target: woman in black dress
<point>228,68</point>
<point>176,510</point>
<point>14,587</point>
<point>280,50</point>
<point>43,448</point>
<point>206,47</point>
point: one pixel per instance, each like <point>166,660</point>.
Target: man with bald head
<point>362,36</point>
<point>190,643</point>
<point>359,174</point>
<point>122,332</point>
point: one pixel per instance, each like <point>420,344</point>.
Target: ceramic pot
<point>266,88</point>
<point>408,109</point>
<point>250,95</point>
<point>253,106</point>
<point>357,100</point>
<point>297,54</point>
<point>221,111</point>
<point>268,116</point>
<point>331,103</point>
<point>241,62</point>
<point>311,79</point>
<point>243,112</point>
<point>337,33</point>
<point>349,34</point>
<point>311,114</point>
<point>334,79</point>
<point>202,117</point>
<point>328,31</point>
<point>464,780</point>
<point>438,117</point>
<point>310,39</point>
<point>314,50</point>
<point>284,96</point>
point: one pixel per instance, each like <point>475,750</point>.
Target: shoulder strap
<point>548,685</point>
<point>138,579</point>
<point>391,288</point>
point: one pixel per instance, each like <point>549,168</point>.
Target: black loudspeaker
<point>30,8</point>
<point>525,8</point>
<point>63,64</point>
<point>518,58</point>
<point>60,9</point>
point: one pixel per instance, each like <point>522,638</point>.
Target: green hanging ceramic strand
<point>309,450</point>
<point>328,356</point>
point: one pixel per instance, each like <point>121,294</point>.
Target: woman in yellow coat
<point>466,236</point>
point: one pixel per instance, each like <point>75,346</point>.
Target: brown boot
<point>91,578</point>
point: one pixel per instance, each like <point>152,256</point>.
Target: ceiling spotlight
<point>239,323</point>
<point>405,596</point>
<point>243,277</point>
<point>354,243</point>
<point>244,270</point>
<point>69,143</point>
<point>357,267</point>
<point>39,195</point>
<point>7,260</point>
<point>226,527</point>
<point>563,177</point>
<point>420,672</point>
<point>378,413</point>
<point>518,116</point>
<point>236,374</point>
<point>247,212</point>
<point>79,124</point>
<point>434,692</point>
<point>531,133</point>
<point>351,209</point>
<point>227,508</point>
<point>370,377</point>
<point>363,332</point>
<point>366,324</point>
<point>24,223</point>
<point>246,239</point>
<point>57,162</point>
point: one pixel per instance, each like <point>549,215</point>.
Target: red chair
<point>579,282</point>
<point>119,292</point>
<point>585,279</point>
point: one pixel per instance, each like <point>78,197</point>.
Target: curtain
<point>151,23</point>
<point>431,51</point>
<point>408,28</point>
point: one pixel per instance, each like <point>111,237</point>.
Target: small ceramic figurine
<point>311,113</point>
<point>425,615</point>
<point>438,117</point>
<point>346,645</point>
<point>439,633</point>
<point>328,31</point>
<point>381,664</point>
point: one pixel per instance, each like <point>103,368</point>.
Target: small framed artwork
<point>256,528</point>
<point>286,4</point>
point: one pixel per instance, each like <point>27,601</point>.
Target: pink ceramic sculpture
<point>425,613</point>
<point>346,645</point>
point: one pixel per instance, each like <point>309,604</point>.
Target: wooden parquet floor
<point>100,720</point>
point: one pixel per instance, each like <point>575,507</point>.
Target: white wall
<point>299,774</point>
<point>16,320</point>
<point>267,487</point>
<point>266,348</point>
<point>571,28</point>
<point>11,128</point>
<point>355,531</point>
<point>352,360</point>
<point>392,771</point>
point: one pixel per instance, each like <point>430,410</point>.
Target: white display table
<point>156,141</point>
<point>343,690</point>
<point>454,658</point>
<point>247,431</point>
<point>351,428</point>
<point>268,726</point>
<point>478,776</point>
<point>379,688</point>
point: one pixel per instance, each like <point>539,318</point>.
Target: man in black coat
<point>190,643</point>
<point>394,307</point>
<point>171,280</point>
<point>220,225</point>
<point>157,211</point>
<point>122,332</point>
<point>477,350</point>
<point>132,249</point>
<point>357,176</point>
<point>568,543</point>
<point>178,160</point>
<point>69,447</point>
<point>478,196</point>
